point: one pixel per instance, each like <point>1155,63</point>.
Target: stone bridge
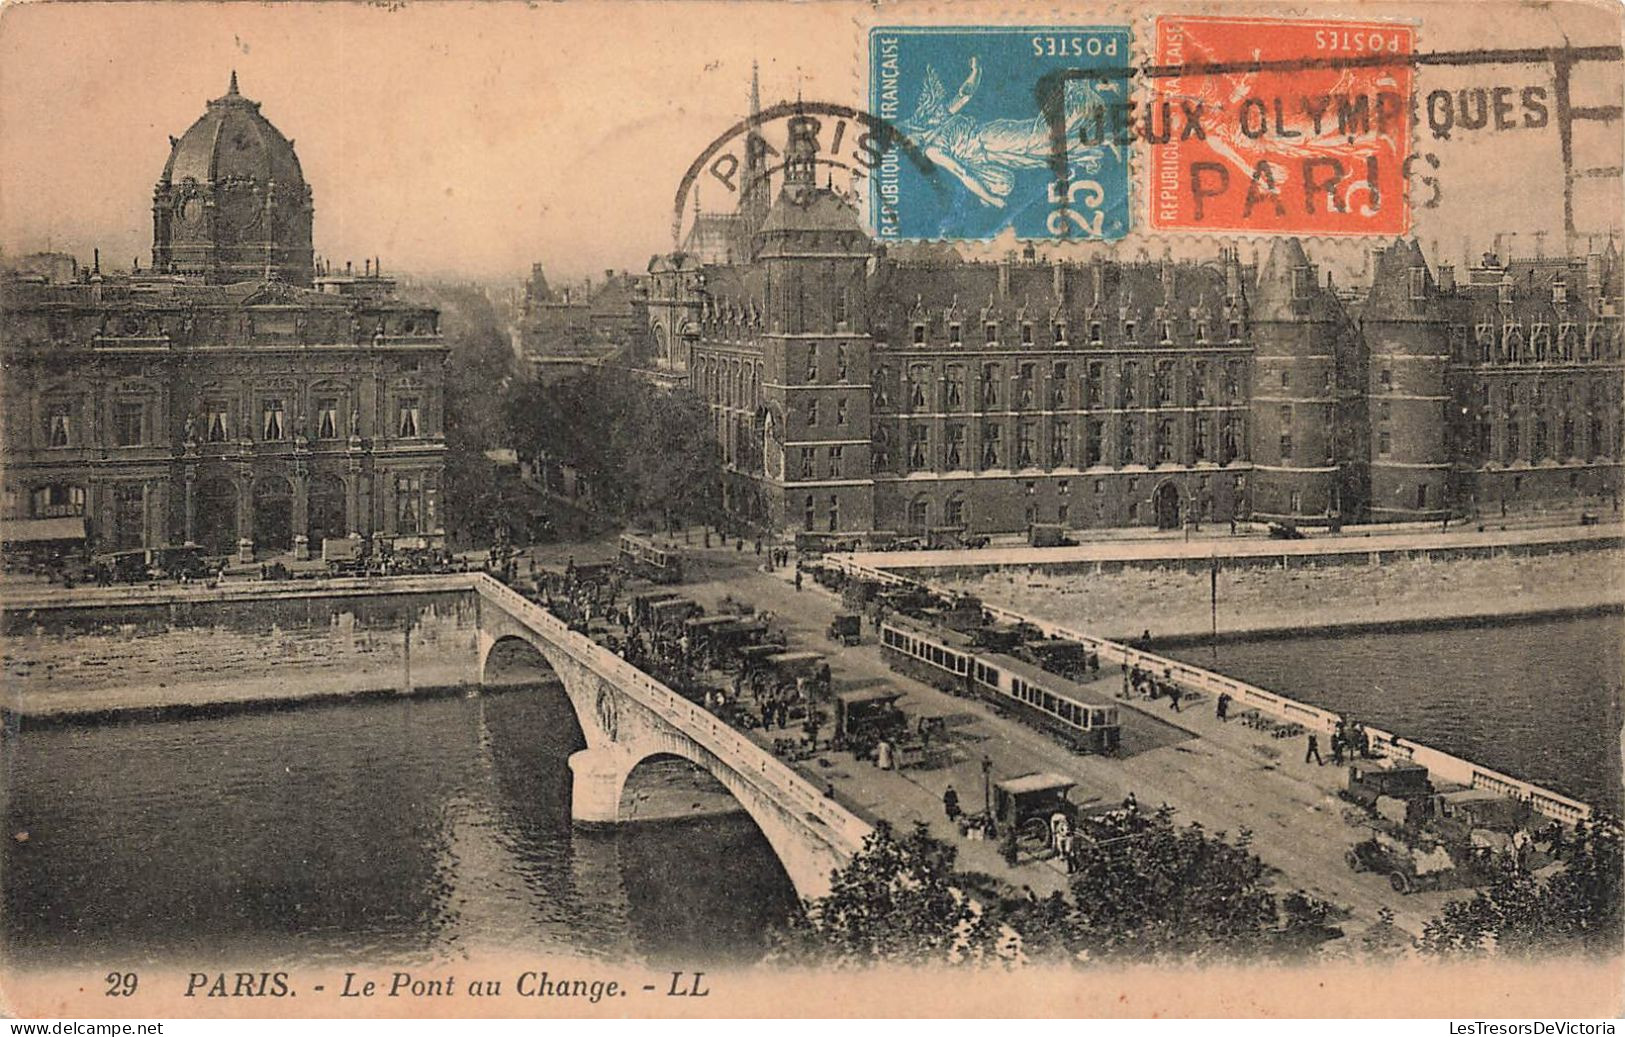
<point>627,717</point>
<point>135,650</point>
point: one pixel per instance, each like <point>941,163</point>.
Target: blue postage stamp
<point>989,107</point>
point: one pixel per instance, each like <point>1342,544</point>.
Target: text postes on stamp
<point>999,113</point>
<point>1289,126</point>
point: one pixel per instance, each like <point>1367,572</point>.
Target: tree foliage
<point>645,452</point>
<point>1144,888</point>
<point>478,498</point>
<point>897,901</point>
<point>1573,906</point>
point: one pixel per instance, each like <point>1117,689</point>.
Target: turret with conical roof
<point>1300,422</point>
<point>1406,333</point>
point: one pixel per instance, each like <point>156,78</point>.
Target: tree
<point>897,901</point>
<point>477,498</point>
<point>645,451</point>
<point>1573,907</point>
<point>1143,888</point>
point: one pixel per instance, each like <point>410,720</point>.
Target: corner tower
<point>232,203</point>
<point>1295,447</point>
<point>1405,329</point>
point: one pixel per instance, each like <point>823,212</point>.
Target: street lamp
<point>987,786</point>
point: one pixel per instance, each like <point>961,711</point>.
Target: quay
<point>1171,549</point>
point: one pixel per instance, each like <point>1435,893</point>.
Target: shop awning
<point>42,530</point>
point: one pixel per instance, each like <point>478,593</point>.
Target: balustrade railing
<point>1440,764</point>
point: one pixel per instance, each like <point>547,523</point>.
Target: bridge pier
<point>597,778</point>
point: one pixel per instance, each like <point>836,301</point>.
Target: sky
<point>473,140</point>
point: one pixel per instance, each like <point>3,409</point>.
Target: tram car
<point>1084,720</point>
<point>641,556</point>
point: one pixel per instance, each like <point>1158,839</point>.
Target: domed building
<point>232,204</point>
<point>235,396</point>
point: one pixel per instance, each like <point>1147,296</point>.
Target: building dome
<point>232,203</point>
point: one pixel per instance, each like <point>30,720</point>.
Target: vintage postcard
<point>652,509</point>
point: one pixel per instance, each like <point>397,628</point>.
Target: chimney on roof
<point>366,268</point>
<point>609,275</point>
<point>1594,270</point>
<point>1058,276</point>
<point>1167,269</point>
<point>1447,277</point>
<point>349,269</point>
<point>1097,274</point>
<point>1005,263</point>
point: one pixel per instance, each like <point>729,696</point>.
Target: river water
<point>397,831</point>
<point>1538,699</point>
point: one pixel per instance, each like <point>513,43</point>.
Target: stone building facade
<point>854,390</point>
<point>237,395</point>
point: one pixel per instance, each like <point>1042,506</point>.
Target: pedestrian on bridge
<point>1222,711</point>
<point>1313,751</point>
<point>950,804</point>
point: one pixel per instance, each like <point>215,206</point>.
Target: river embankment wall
<point>105,652</point>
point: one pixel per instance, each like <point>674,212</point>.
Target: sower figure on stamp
<point>985,156</point>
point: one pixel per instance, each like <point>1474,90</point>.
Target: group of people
<point>1349,739</point>
<point>1154,687</point>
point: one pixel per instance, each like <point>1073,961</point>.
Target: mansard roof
<point>1041,291</point>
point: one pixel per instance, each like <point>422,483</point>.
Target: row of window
<point>1511,343</point>
<point>131,426</point>
<point>1201,331</point>
<point>1078,716</point>
<point>926,651</point>
<point>1599,395</point>
<point>1159,443</point>
<point>414,506</point>
<point>1026,390</point>
<point>1574,440</point>
<point>832,514</point>
<point>729,382</point>
<point>956,513</point>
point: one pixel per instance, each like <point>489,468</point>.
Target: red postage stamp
<point>1289,126</point>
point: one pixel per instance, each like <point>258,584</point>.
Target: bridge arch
<point>601,776</point>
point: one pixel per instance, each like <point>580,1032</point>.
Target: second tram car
<point>1078,716</point>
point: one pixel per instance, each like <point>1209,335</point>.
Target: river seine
<point>387,831</point>
<point>1538,699</point>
